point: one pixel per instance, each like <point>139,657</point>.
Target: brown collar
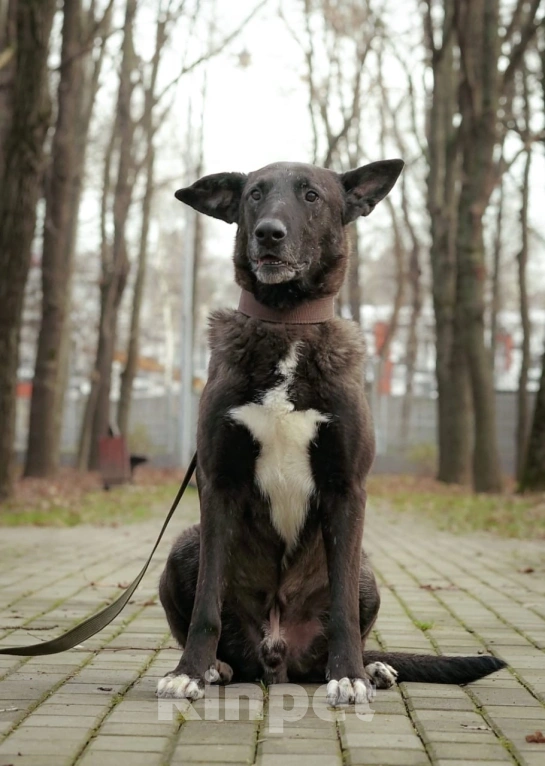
<point>311,312</point>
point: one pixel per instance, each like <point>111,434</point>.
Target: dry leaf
<point>537,736</point>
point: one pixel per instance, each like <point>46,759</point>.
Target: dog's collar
<point>311,312</point>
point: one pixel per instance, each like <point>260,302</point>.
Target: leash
<point>94,624</point>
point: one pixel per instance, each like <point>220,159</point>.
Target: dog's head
<point>290,243</point>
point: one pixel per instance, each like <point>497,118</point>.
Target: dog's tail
<point>436,669</point>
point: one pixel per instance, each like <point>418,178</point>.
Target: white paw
<point>181,686</point>
<point>383,676</point>
<point>349,691</point>
<point>220,673</point>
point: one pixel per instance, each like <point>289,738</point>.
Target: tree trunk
<point>84,447</point>
<point>533,475</point>
<point>8,41</point>
<point>486,465</point>
<point>86,103</point>
<point>453,401</point>
<point>131,366</point>
<point>43,439</point>
<point>496,271</point>
<point>522,260</point>
<point>19,193</point>
<point>115,263</point>
<point>412,339</point>
<point>198,225</point>
<point>478,38</point>
<point>354,296</point>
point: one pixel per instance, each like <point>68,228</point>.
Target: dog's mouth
<point>271,270</point>
<point>270,260</point>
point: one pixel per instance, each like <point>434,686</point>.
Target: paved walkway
<point>95,705</point>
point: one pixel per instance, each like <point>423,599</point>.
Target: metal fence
<point>402,447</point>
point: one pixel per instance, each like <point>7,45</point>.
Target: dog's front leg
<point>342,529</point>
<point>198,662</point>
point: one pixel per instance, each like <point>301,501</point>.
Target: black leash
<point>94,624</point>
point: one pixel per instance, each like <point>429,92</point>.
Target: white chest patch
<point>283,471</point>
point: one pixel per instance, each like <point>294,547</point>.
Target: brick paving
<point>95,705</point>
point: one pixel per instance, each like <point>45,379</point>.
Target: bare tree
<point>522,260</point>
<point>495,303</point>
<point>533,473</point>
<point>482,85</point>
<point>8,40</point>
<point>20,187</point>
<point>78,85</point>
<point>150,123</point>
<point>453,403</point>
<point>469,85</point>
<point>42,452</point>
<point>114,258</point>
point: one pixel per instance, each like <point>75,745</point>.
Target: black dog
<point>273,583</point>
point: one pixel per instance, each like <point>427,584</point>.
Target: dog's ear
<point>366,186</point>
<point>217,195</point>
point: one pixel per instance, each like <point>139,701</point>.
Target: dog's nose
<point>270,231</point>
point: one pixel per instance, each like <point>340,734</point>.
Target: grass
<point>457,509</point>
<point>75,499</point>
<point>423,625</point>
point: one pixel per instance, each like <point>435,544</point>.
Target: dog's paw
<point>382,675</point>
<point>350,691</point>
<point>220,673</point>
<point>181,686</point>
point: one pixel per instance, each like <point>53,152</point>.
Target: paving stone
<point>461,750</point>
<point>380,723</point>
<point>210,751</point>
<point>492,600</point>
<point>270,759</point>
<point>127,744</point>
<point>363,756</point>
<point>326,732</point>
<point>119,758</point>
<point>135,729</point>
<point>465,762</point>
<point>36,760</point>
<point>442,703</point>
<point>195,732</point>
<point>291,746</point>
<point>382,740</point>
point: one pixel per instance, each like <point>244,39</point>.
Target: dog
<point>273,583</point>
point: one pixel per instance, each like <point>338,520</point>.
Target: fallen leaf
<point>527,570</point>
<point>123,585</point>
<point>537,736</point>
<point>150,602</point>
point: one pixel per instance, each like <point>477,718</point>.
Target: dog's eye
<point>311,196</point>
<point>255,194</point>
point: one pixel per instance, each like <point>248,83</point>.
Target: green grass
<point>457,509</point>
<point>121,505</point>
<point>423,625</point>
